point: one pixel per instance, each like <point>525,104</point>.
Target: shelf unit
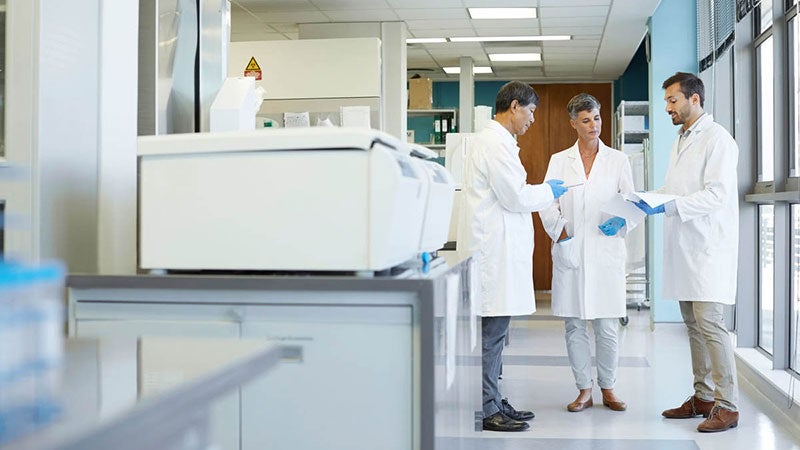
<point>447,120</point>
<point>632,136</point>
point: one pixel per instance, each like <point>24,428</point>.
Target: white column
<point>393,90</point>
<point>116,222</point>
<point>466,95</point>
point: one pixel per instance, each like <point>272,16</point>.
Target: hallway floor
<point>654,374</point>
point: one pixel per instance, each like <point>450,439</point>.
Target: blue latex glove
<point>556,186</point>
<point>612,226</point>
<point>648,210</point>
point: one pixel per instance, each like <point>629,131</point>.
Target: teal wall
<point>673,48</point>
<point>632,85</point>
<point>445,96</point>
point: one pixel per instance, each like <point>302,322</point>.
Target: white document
<point>296,120</point>
<point>621,207</point>
<point>651,198</point>
<point>355,116</point>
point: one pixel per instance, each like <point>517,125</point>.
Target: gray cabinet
<point>396,353</point>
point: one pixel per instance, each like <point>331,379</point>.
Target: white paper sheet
<point>296,120</point>
<point>355,116</point>
<point>621,207</point>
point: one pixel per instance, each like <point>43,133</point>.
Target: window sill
<point>774,384</point>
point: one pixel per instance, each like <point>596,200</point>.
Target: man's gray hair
<point>582,102</point>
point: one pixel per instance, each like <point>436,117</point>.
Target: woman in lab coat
<point>589,251</point>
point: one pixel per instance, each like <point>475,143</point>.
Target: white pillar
<point>116,202</point>
<point>466,95</point>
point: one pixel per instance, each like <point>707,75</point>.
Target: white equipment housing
<point>298,199</point>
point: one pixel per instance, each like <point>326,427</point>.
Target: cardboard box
<point>420,93</point>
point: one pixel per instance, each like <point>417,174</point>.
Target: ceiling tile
<point>284,27</point>
<point>574,22</point>
<point>424,3</point>
<point>293,17</point>
<point>576,3</point>
<point>439,24</point>
<point>570,12</point>
<point>362,15</point>
<point>596,29</point>
<point>432,13</point>
<point>329,5</point>
<point>258,6</point>
<point>445,32</point>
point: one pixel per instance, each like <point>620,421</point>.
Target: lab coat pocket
<point>611,250</point>
<point>565,255</point>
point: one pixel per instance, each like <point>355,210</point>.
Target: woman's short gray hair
<point>582,102</point>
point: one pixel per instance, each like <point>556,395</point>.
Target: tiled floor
<point>654,374</point>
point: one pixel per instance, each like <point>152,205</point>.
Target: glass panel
<point>765,15</point>
<point>766,147</point>
<point>2,79</point>
<point>794,252</point>
<point>794,36</point>
<point>766,254</point>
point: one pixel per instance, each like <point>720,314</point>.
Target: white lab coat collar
<point>508,139</point>
<point>577,163</point>
<point>703,123</point>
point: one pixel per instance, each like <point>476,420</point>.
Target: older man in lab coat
<point>701,237</point>
<point>497,229</point>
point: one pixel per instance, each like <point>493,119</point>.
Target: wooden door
<point>549,134</point>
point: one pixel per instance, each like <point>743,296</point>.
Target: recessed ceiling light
<point>510,38</point>
<point>425,40</point>
<point>475,69</point>
<point>515,57</point>
<point>502,13</point>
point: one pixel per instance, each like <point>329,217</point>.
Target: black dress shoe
<point>513,413</point>
<point>501,422</point>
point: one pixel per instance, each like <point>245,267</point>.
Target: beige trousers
<point>713,363</point>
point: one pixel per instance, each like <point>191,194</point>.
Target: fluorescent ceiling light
<point>515,57</point>
<point>475,69</point>
<point>425,40</point>
<point>510,38</point>
<point>502,13</point>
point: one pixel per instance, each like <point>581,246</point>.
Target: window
<point>764,16</point>
<point>794,289</point>
<point>794,112</point>
<point>2,79</point>
<point>766,296</point>
<point>766,146</point>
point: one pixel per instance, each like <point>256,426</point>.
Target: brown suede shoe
<point>582,402</point>
<point>611,401</point>
<point>692,407</point>
<point>720,419</point>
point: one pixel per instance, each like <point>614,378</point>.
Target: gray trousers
<point>713,363</point>
<point>493,336</point>
<point>580,353</point>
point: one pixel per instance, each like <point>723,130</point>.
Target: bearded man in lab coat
<point>497,229</point>
<point>701,237</point>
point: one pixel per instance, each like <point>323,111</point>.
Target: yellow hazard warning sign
<point>252,65</point>
<point>253,69</point>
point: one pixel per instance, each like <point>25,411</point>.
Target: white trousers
<point>580,353</point>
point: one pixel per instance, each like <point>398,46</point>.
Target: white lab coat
<point>589,269</point>
<point>701,242</point>
<point>496,226</point>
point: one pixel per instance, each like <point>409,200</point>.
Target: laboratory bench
<point>393,361</point>
<point>149,393</point>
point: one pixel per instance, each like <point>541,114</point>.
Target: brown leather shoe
<point>692,407</point>
<point>611,401</point>
<point>583,401</point>
<point>720,419</point>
